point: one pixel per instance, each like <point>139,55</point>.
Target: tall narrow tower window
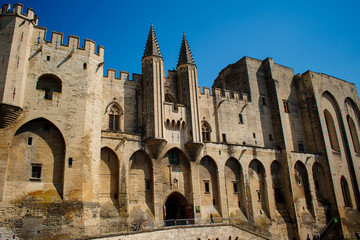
<point>114,119</point>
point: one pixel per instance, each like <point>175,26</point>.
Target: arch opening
<point>302,180</point>
<point>177,210</point>
<point>37,161</point>
<point>49,83</point>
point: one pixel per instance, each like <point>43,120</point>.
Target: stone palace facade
<point>85,154</point>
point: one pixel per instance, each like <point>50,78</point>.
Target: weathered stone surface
<point>88,154</point>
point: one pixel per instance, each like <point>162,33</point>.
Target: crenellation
<point>18,10</point>
<point>73,43</point>
<point>111,75</point>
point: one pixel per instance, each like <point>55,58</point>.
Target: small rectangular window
<point>173,158</point>
<point>301,147</point>
<point>270,137</point>
<point>241,120</point>
<point>47,58</point>
<point>29,141</point>
<point>35,171</point>
<point>259,195</point>
<point>84,66</point>
<point>286,106</point>
<point>235,187</point>
<point>214,201</point>
<point>117,123</point>
<point>48,94</point>
<point>254,135</point>
<point>148,185</point>
<point>207,187</point>
<point>263,100</point>
<point>70,162</point>
<point>224,137</point>
<point>111,121</point>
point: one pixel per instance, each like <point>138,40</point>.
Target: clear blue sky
<point>322,36</point>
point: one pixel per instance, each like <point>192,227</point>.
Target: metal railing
<point>192,221</point>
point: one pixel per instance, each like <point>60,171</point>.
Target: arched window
<point>331,130</point>
<point>206,130</point>
<point>354,135</point>
<point>114,118</point>
<point>345,192</point>
<point>49,83</point>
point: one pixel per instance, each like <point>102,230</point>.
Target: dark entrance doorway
<point>176,210</point>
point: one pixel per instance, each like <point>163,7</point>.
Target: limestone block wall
<point>334,97</point>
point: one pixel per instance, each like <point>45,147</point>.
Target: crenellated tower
<point>153,92</point>
<point>16,29</point>
<point>188,95</point>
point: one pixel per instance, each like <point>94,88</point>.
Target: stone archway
<point>36,163</point>
<point>177,210</point>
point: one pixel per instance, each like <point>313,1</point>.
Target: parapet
<point>57,42</point>
<point>226,95</point>
<point>112,77</point>
<point>18,11</point>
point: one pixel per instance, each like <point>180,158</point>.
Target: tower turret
<point>16,29</point>
<point>188,94</point>
<point>153,88</point>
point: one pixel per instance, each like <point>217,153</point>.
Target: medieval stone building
<point>85,154</point>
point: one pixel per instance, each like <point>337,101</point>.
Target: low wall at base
<point>203,232</point>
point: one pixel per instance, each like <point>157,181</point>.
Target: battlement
<point>112,77</point>
<point>57,41</point>
<point>17,10</point>
<point>223,94</point>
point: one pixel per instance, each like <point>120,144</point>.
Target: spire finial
<point>185,55</point>
<point>152,45</point>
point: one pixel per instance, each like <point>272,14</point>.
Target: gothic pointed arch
<point>353,133</point>
<point>170,99</point>
<point>108,177</point>
<point>178,175</point>
<point>235,190</point>
<point>259,197</point>
<point>176,209</point>
<point>37,160</point>
<point>209,186</point>
<point>319,182</point>
<point>114,112</point>
<point>330,125</point>
<point>345,192</point>
<point>303,186</point>
<point>277,183</point>
<point>141,184</point>
<point>206,131</point>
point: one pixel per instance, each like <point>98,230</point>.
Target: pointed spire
<point>185,55</point>
<point>152,46</point>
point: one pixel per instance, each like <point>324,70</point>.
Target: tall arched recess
<point>36,161</point>
<point>234,182</point>
<point>259,196</point>
<point>327,96</point>
<point>276,174</point>
<point>302,188</point>
<point>330,125</point>
<point>353,122</point>
<point>141,186</point>
<point>353,133</point>
<point>209,187</point>
<point>108,192</point>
